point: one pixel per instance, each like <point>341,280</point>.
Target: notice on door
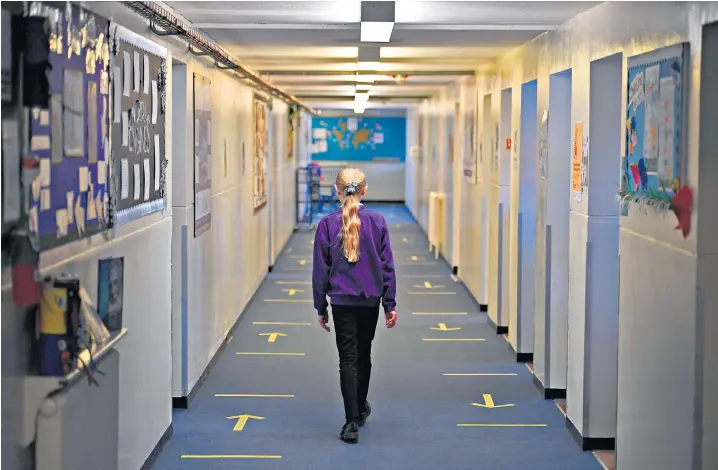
<point>577,154</point>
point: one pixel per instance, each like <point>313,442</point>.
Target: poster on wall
<point>290,137</point>
<point>543,147</point>
<point>261,139</point>
<point>138,82</point>
<point>202,154</point>
<point>70,136</point>
<point>480,165</point>
<point>359,139</point>
<point>470,145</point>
<point>495,149</point>
<point>651,169</point>
<point>576,161</point>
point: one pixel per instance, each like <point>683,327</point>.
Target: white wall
<point>657,343</point>
<point>224,266</point>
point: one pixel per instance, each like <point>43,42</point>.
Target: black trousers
<point>355,328</point>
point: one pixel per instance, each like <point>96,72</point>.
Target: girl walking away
<point>354,266</point>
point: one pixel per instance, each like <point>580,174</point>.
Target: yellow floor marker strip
<point>432,293</point>
<point>479,375</point>
<point>230,456</point>
<point>453,339</point>
<point>439,313</point>
<point>294,283</point>
<point>249,395</point>
<point>494,425</point>
<point>287,323</point>
<point>269,354</point>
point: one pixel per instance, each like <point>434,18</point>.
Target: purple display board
<point>69,198</point>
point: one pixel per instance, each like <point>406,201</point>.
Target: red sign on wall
<point>508,144</point>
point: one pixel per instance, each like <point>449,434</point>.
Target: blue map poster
<point>358,139</point>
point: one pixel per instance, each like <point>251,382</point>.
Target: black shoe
<point>350,432</point>
<point>363,417</point>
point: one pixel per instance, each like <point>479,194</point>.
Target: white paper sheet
<point>158,162</point>
<point>44,117</point>
<point>137,182</point>
<point>125,181</point>
<point>79,217</point>
<point>117,94</point>
<point>320,133</point>
<point>322,146</point>
<point>99,207</point>
<point>666,151</point>
<point>70,204</point>
<point>101,172</point>
<point>154,102</point>
<point>12,202</point>
<point>61,222</point>
<point>136,71</point>
<point>146,75</point>
<point>104,83</point>
<point>146,164</point>
<point>636,91</point>
<point>32,219</point>
<point>125,128</point>
<point>40,142</point>
<point>44,199</point>
<point>44,175</point>
<point>352,124</point>
<point>83,178</point>
<point>127,75</point>
<point>91,209</point>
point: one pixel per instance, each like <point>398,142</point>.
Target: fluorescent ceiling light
<point>377,21</point>
<point>361,97</point>
<point>368,66</point>
<point>376,31</point>
<point>359,109</point>
<point>366,78</point>
<point>363,87</point>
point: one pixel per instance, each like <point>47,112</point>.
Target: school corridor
<point>446,391</point>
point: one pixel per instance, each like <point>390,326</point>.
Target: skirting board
<point>154,455</point>
<point>500,330</point>
<point>590,443</point>
<point>549,393</point>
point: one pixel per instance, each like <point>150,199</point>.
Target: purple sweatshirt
<point>367,282</point>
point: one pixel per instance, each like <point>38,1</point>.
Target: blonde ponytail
<point>350,228</point>
<point>350,183</point>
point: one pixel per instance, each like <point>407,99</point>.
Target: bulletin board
<point>137,79</point>
<point>653,161</point>
<point>261,115</point>
<point>470,142</point>
<point>69,198</point>
<point>202,155</point>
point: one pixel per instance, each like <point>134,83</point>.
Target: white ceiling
<point>310,48</point>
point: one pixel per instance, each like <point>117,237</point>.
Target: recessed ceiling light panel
<point>377,21</point>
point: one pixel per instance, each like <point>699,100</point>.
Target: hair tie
<point>350,188</point>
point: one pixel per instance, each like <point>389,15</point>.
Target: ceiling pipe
<point>165,23</point>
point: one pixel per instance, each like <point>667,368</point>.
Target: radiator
<point>436,222</point>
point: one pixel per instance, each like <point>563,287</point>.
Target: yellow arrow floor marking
<point>229,456</point>
<point>494,425</point>
<point>303,262</point>
<point>269,354</point>
<point>453,339</point>
<point>247,395</point>
<point>489,403</point>
<point>404,239</point>
<point>442,327</point>
<point>292,291</point>
<point>242,420</point>
<point>271,337</point>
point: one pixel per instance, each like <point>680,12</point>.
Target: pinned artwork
<point>261,115</point>
<point>137,168</point>
<point>70,136</point>
<point>202,155</point>
<point>653,163</point>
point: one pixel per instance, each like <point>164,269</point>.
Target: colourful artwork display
<point>69,199</point>
<point>354,139</point>
<point>652,166</point>
<point>202,155</point>
<point>261,140</point>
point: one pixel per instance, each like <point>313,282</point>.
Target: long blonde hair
<point>350,184</point>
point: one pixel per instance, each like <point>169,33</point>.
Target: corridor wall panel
<point>648,241</point>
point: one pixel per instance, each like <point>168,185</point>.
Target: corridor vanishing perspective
<point>446,390</point>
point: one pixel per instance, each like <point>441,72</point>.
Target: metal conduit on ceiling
<point>164,23</point>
